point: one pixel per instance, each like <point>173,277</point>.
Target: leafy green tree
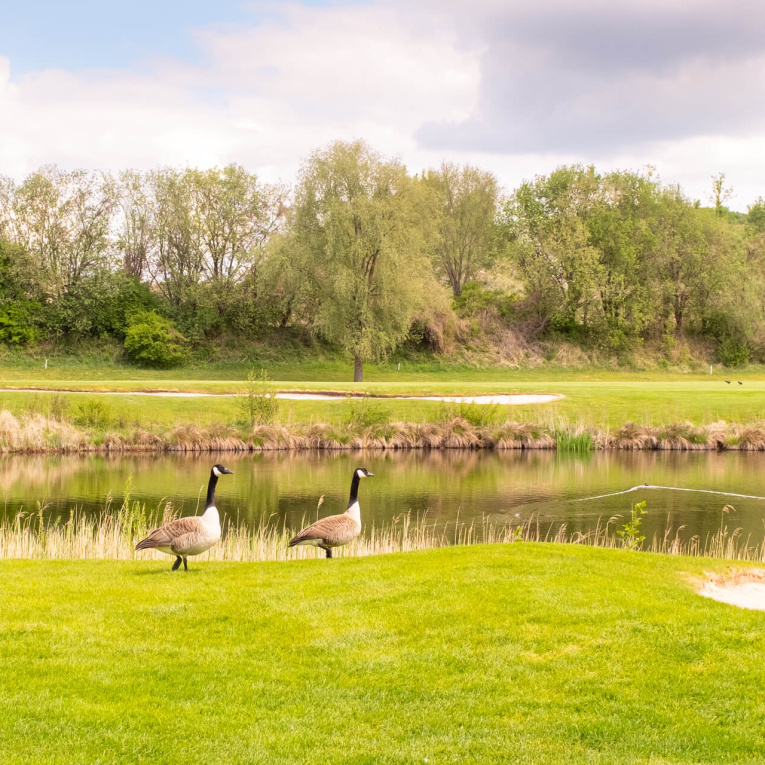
<point>693,258</point>
<point>136,236</point>
<point>545,223</point>
<point>755,218</point>
<point>177,263</point>
<point>237,215</point>
<point>19,296</point>
<point>63,221</point>
<point>720,194</point>
<point>356,238</point>
<point>619,230</point>
<point>464,212</point>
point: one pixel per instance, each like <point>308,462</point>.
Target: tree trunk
<point>358,369</point>
<point>679,308</point>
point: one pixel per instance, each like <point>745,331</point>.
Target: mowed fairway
<point>608,401</point>
<point>516,653</point>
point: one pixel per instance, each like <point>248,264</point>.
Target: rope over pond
<point>668,488</point>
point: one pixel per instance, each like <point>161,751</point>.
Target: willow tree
<point>356,240</point>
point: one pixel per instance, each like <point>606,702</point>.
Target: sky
<point>514,87</point>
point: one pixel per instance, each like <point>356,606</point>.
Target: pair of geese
<point>196,534</point>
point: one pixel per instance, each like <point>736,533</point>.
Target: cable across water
<point>668,488</point>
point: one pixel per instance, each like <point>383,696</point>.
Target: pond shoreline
<point>36,434</point>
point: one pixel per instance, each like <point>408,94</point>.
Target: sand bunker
<point>745,589</point>
<point>504,399</point>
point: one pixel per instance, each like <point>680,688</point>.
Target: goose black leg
<point>177,563</point>
<point>329,551</point>
<point>185,564</point>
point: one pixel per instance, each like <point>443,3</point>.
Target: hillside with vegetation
<point>362,261</point>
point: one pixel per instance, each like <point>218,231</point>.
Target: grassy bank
<point>471,426</point>
<point>545,654</point>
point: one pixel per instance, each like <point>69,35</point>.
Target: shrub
<point>257,402</point>
<point>732,346</point>
<point>475,298</point>
<point>16,326</point>
<point>153,341</point>
<point>98,305</point>
<point>477,415</point>
<point>363,413</point>
<point>733,353</point>
<point>630,531</point>
<point>94,413</point>
<point>58,407</point>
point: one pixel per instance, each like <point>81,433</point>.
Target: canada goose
<point>191,535</point>
<point>336,530</point>
<point>728,381</point>
<point>739,382</point>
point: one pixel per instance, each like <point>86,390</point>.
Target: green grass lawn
<point>518,653</point>
<point>607,402</point>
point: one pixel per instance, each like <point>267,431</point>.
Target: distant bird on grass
<point>336,530</point>
<point>739,382</point>
<point>192,535</point>
<point>728,381</point>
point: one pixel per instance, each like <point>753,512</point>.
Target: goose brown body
<point>184,536</point>
<point>335,530</point>
<point>192,535</point>
<point>332,531</point>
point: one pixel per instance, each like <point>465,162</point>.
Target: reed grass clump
<point>113,534</point>
<point>578,443</point>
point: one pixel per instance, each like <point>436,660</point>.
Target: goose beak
<point>370,475</point>
<point>226,471</point>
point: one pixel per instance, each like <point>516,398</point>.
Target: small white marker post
<point>46,364</point>
<point>710,369</point>
<point>399,366</point>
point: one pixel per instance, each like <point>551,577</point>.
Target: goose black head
<point>219,470</point>
<point>364,473</point>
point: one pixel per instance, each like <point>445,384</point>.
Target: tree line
<point>367,255</point>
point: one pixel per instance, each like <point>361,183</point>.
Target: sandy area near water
<point>744,589</point>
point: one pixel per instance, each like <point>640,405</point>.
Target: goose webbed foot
<point>177,563</point>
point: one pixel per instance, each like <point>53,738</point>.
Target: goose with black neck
<point>336,530</point>
<point>192,535</point>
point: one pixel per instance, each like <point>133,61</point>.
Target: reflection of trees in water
<point>33,472</point>
<point>286,486</point>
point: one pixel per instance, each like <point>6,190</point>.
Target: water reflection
<point>285,487</point>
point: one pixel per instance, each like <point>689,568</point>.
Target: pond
<point>445,486</point>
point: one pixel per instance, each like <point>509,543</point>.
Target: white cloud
<point>268,93</point>
<point>266,96</point>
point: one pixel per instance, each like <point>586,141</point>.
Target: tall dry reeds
<point>35,433</point>
<point>113,534</point>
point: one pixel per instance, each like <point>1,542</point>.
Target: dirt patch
<point>744,588</point>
